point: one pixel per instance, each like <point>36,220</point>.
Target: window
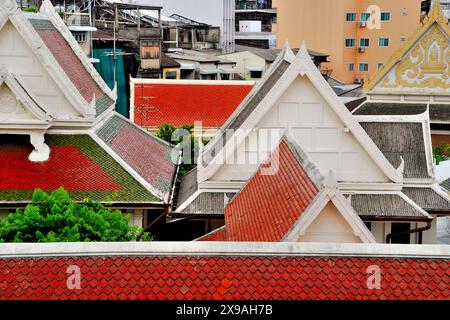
<point>350,16</point>
<point>351,67</point>
<point>171,75</point>
<point>365,16</point>
<point>385,16</point>
<point>383,42</point>
<point>150,49</point>
<point>380,65</point>
<point>350,43</point>
<point>256,74</point>
<point>80,36</point>
<point>402,39</point>
<point>363,67</point>
<point>364,42</point>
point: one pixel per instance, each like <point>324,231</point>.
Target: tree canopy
<point>56,217</point>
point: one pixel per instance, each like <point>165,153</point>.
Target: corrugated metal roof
<point>397,140</point>
<point>428,199</point>
<point>384,206</point>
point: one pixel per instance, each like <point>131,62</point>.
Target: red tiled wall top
<point>269,205</point>
<point>157,104</point>
<point>195,278</point>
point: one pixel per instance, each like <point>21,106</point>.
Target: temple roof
<point>77,163</point>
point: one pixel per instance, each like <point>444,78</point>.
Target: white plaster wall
<point>245,60</point>
<point>330,226</point>
<point>318,130</point>
<point>17,56</point>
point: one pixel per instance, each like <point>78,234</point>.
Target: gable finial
<point>46,7</point>
<point>286,52</point>
<point>436,12</point>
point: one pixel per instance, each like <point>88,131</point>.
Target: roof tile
<point>269,205</point>
<point>183,104</point>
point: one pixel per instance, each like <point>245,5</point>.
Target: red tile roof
<point>183,104</point>
<point>222,277</point>
<point>67,167</point>
<point>64,55</point>
<point>72,66</point>
<point>217,235</point>
<point>269,205</point>
<point>76,162</point>
<point>149,156</point>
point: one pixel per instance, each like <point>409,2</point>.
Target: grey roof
<point>383,206</point>
<point>401,139</point>
<point>438,112</point>
<point>446,184</point>
<point>168,62</point>
<point>428,199</point>
<point>188,187</point>
<point>207,203</point>
<point>270,55</point>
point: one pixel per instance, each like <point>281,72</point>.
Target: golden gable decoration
<point>423,61</point>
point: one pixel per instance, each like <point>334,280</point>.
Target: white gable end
<point>20,59</point>
<point>317,128</point>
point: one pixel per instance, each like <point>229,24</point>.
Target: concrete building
<point>252,63</point>
<point>218,13</point>
<point>344,29</point>
<point>203,66</point>
<point>254,21</point>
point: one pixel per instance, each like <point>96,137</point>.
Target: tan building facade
<point>358,43</point>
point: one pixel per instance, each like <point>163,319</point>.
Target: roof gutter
<point>416,230</point>
<point>394,219</point>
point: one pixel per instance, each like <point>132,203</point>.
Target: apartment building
<point>359,35</point>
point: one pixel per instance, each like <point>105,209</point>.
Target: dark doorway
<point>400,238</point>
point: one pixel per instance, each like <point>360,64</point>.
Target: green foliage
<point>441,153</point>
<point>31,9</point>
<point>165,132</point>
<point>56,217</point>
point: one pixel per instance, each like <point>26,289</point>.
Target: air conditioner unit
<point>358,81</point>
<point>361,49</point>
<point>363,24</point>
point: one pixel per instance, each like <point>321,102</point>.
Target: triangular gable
<point>285,199</point>
<point>18,105</point>
<point>60,83</point>
<point>278,83</point>
<point>420,65</point>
